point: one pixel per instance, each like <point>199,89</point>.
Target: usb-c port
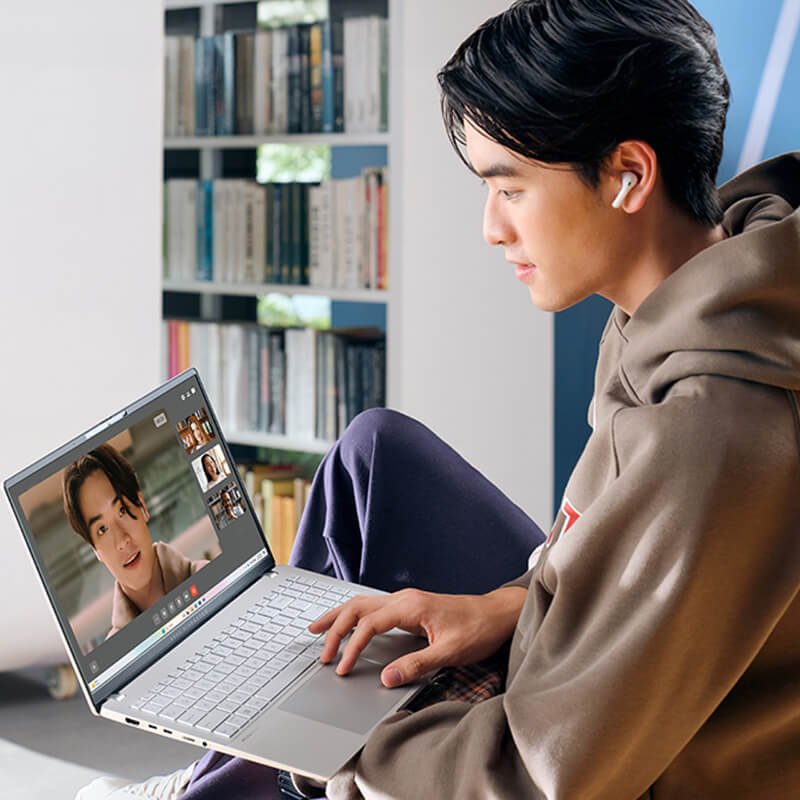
<point>131,721</point>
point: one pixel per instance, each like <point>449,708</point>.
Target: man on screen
<point>105,507</point>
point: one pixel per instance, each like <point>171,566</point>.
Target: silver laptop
<point>174,614</point>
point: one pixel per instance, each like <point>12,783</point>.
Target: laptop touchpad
<point>354,702</point>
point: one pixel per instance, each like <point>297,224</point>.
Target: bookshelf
<point>211,157</point>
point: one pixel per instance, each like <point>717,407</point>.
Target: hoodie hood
<point>734,308</point>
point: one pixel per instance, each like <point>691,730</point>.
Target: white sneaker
<point>159,787</point>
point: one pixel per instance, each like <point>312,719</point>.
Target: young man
<point>105,507</point>
<point>655,639</point>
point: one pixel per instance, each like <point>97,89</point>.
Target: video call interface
<point>135,530</point>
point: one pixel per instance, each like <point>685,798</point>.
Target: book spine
<point>286,232</point>
<point>200,94</point>
<point>295,265</point>
<point>219,84</point>
<point>315,78</point>
<point>280,80</point>
<point>259,233</point>
<point>248,240</point>
<point>384,75</point>
<point>337,57</point>
<point>277,383</point>
<point>229,83</point>
<point>305,277</point>
<point>245,54</point>
<point>294,99</point>
<point>187,115</point>
<point>269,195</point>
<point>372,73</point>
<point>262,82</point>
<point>253,378</point>
<point>263,383</point>
<point>208,231</point>
<point>304,93</point>
<point>328,88</point>
<point>170,86</point>
<point>314,236</point>
<point>278,215</point>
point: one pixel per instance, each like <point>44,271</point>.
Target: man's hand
<point>461,629</point>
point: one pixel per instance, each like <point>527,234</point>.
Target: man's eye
<point>123,509</point>
<point>508,194</point>
<point>101,530</point>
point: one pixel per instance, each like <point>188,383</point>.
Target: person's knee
<point>372,424</point>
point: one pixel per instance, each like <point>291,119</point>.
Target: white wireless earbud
<point>628,182</point>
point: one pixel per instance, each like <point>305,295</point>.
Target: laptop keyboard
<point>223,685</point>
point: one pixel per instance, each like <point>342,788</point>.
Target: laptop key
<point>191,716</point>
<point>211,720</point>
<point>172,712</point>
<point>226,730</point>
<point>205,704</point>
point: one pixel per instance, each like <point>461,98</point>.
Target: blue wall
<point>745,31</point>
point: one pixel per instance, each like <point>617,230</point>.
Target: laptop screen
<point>136,527</point>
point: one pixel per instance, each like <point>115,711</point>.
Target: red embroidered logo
<point>567,516</point>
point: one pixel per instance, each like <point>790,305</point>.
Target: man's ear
<point>145,512</point>
<point>639,158</point>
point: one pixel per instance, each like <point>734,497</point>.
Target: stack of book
<point>332,235</point>
<point>323,77</point>
<point>300,382</point>
<point>279,497</point>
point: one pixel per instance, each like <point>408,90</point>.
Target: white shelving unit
<point>209,148</point>
<point>236,142</point>
<point>255,289</point>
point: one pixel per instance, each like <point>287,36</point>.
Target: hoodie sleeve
<point>639,619</point>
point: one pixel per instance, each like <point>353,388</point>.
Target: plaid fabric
<point>469,684</point>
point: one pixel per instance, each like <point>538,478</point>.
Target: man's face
<point>227,505</point>
<point>559,233</point>
<point>121,542</point>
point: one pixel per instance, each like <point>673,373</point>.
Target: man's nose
<point>496,228</point>
<point>121,536</point>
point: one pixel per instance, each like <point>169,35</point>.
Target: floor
<point>67,730</point>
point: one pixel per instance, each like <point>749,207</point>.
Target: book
<point>262,82</point>
<point>244,57</point>
<point>315,88</point>
<point>293,78</point>
<point>280,80</point>
<point>228,78</point>
<point>304,83</point>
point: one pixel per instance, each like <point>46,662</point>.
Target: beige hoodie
<point>658,652</point>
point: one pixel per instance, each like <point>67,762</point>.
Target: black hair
<point>566,81</point>
<point>117,469</point>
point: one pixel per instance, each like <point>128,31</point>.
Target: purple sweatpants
<point>391,506</point>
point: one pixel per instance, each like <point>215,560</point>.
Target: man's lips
<point>523,270</point>
<point>133,560</point>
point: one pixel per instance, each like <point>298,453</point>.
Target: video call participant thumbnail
<point>211,468</point>
<point>195,431</point>
<point>226,506</point>
<point>105,507</point>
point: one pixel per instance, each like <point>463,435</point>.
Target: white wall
<point>477,357</point>
<point>79,247</point>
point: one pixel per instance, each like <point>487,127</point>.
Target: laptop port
<point>131,721</point>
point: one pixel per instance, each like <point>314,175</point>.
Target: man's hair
<point>116,468</point>
<point>566,81</point>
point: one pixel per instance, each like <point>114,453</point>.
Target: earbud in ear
<point>628,182</point>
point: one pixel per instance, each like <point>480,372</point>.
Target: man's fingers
<point>340,621</point>
<point>371,625</point>
<point>410,667</point>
